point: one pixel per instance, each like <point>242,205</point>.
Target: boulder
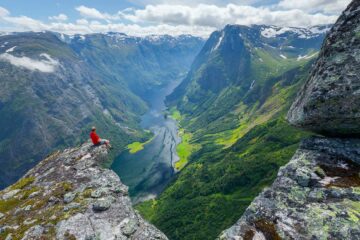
<point>102,204</point>
<point>128,226</point>
<point>34,232</point>
<point>329,102</point>
<point>69,197</point>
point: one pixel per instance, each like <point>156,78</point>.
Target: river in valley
<point>148,171</point>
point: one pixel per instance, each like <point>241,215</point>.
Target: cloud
<point>175,17</point>
<point>45,65</point>
<point>325,6</point>
<point>130,29</point>
<point>215,16</point>
<point>24,22</point>
<point>87,12</point>
<point>4,12</point>
<point>61,17</point>
<point>197,2</point>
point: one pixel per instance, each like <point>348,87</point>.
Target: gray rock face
<point>329,101</point>
<point>34,232</point>
<point>326,207</point>
<point>102,204</point>
<point>69,197</point>
<point>75,199</point>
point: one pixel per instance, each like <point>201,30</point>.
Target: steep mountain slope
<point>69,196</point>
<point>54,88</point>
<point>233,105</point>
<point>317,194</point>
<point>236,63</point>
<point>141,63</point>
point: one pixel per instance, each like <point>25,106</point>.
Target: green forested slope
<point>239,129</point>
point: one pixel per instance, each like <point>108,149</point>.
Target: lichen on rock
<point>70,196</point>
<point>315,210</point>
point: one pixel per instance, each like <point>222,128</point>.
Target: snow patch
<point>320,30</point>
<point>265,44</point>
<point>252,85</point>
<point>283,56</point>
<point>218,43</point>
<point>10,49</point>
<point>300,57</point>
<point>4,44</point>
<point>305,33</point>
<point>272,32</point>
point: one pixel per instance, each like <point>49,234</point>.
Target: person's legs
<point>105,141</point>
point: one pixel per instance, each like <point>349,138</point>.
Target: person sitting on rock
<point>97,141</point>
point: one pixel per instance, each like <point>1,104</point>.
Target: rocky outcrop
<point>329,100</point>
<point>317,194</point>
<point>69,196</point>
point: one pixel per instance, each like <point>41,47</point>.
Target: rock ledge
<point>69,196</point>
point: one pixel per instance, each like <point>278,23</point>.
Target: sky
<point>174,17</point>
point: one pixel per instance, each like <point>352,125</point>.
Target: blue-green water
<point>148,171</point>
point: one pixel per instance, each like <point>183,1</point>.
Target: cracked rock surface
<point>315,196</point>
<point>70,196</point>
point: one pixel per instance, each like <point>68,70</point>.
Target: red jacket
<point>94,137</point>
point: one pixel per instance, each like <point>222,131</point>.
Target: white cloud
<point>87,12</point>
<point>61,17</point>
<point>24,22</point>
<point>3,12</point>
<point>215,16</point>
<point>131,29</point>
<point>176,17</point>
<point>82,21</point>
<point>195,2</point>
<point>46,64</point>
<point>325,6</point>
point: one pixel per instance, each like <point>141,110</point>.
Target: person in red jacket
<point>96,140</point>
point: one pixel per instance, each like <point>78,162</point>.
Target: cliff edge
<point>69,196</point>
<point>317,194</point>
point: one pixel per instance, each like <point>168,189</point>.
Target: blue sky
<point>143,17</point>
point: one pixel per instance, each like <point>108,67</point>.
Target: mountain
<point>232,107</point>
<point>316,195</point>
<point>54,87</point>
<point>142,63</point>
<point>238,61</point>
<point>69,196</point>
